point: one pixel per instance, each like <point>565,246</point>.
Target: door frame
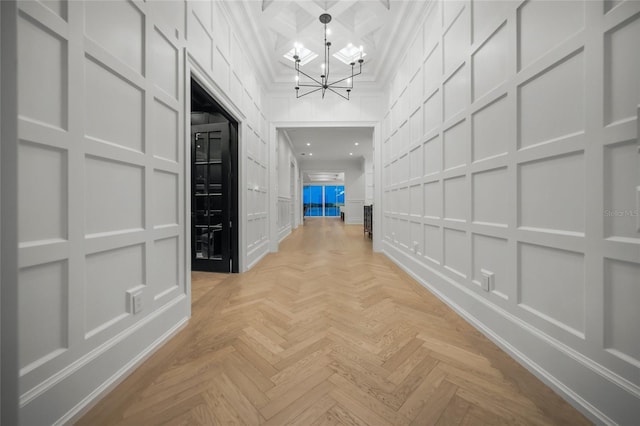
<point>194,71</point>
<point>276,126</point>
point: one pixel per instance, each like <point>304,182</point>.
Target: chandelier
<point>324,84</point>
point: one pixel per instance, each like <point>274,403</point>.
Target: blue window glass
<point>332,196</point>
<point>312,200</point>
<point>315,204</point>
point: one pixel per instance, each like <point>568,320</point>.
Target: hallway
<point>327,332</point>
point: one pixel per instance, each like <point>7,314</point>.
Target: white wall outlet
<point>134,301</point>
<point>416,246</point>
<point>487,280</point>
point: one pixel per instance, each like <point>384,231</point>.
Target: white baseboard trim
<point>256,254</point>
<point>601,395</point>
<point>284,233</point>
<point>65,395</point>
<point>94,397</point>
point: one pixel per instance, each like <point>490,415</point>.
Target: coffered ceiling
<point>270,28</point>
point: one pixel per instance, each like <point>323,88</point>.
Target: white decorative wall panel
<point>165,198</point>
<point>455,199</point>
<point>43,80</point>
<point>456,251</point>
<point>620,204</point>
<point>490,134</point>
<point>114,197</point>
<point>490,254</point>
<point>417,161</point>
<point>433,243</point>
<point>59,7</point>
<point>433,155</point>
<point>416,200</point>
<point>552,103</point>
<point>108,275</point>
<point>622,316</point>
<point>45,191</point>
<point>456,40</point>
<point>432,70</point>
<point>164,63</point>
<point>486,14</point>
<point>552,194</point>
<point>490,65</point>
<point>165,132</point>
<point>102,100</point>
<point>102,16</point>
<point>433,199</point>
<point>42,313</point>
<point>456,145</point>
<point>622,89</point>
<point>164,273</point>
<point>491,197</point>
<point>432,112</point>
<point>530,171</point>
<point>201,44</point>
<point>543,25</point>
<point>118,120</point>
<point>456,93</point>
<point>551,285</point>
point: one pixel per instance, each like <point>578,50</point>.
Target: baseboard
<point>92,399</point>
<point>75,389</point>
<point>598,393</point>
<point>284,233</point>
<point>256,254</point>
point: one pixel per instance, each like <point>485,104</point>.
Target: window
<point>319,200</point>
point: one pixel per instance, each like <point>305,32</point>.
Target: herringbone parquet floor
<point>326,332</point>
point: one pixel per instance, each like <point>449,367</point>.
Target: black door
<point>211,197</point>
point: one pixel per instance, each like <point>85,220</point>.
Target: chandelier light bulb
<point>297,78</point>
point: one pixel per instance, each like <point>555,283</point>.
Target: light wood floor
<point>326,332</point>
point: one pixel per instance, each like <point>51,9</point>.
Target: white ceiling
<point>269,29</point>
<point>331,143</point>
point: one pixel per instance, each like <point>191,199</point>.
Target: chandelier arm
<point>310,85</point>
<point>338,93</point>
<point>308,76</point>
<point>339,87</point>
<point>307,93</point>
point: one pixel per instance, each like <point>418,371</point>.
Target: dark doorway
<point>214,185</point>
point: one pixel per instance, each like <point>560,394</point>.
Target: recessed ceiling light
<point>308,144</point>
<point>311,153</point>
<point>351,153</point>
<point>356,144</point>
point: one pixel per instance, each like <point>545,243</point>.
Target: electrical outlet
<point>134,301</point>
<point>487,280</point>
<point>137,303</point>
<point>416,246</point>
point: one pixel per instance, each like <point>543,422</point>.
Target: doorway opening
<point>214,184</point>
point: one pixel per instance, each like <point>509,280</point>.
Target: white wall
<point>511,132</point>
<point>103,184</point>
<point>354,184</point>
<point>369,171</point>
<point>288,196</point>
